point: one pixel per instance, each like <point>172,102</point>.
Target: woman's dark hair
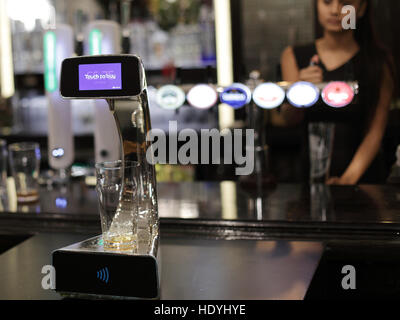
<point>373,55</point>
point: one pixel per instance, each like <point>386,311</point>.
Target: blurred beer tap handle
<point>209,74</point>
<point>178,76</point>
<point>125,17</point>
<point>79,19</point>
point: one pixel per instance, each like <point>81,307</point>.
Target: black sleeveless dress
<point>351,122</point>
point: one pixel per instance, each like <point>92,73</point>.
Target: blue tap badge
<point>303,94</point>
<point>170,97</point>
<point>236,96</point>
<point>268,95</point>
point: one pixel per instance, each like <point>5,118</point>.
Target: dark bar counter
<point>291,242</point>
<point>227,210</point>
<point>191,268</point>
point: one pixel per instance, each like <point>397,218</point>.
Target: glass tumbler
<point>118,203</point>
<point>321,143</point>
<point>24,161</point>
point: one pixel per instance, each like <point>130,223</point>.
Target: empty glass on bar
<point>3,175</point>
<point>147,222</point>
<point>320,136</point>
<point>118,196</point>
<point>24,161</point>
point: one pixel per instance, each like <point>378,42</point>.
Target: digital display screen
<point>103,76</point>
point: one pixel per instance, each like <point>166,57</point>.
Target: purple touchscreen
<point>104,76</point>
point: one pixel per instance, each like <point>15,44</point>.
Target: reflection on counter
<point>73,199</point>
<point>174,173</point>
<point>227,201</point>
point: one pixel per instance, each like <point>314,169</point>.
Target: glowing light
<point>245,88</point>
<point>61,203</point>
<point>228,200</point>
<point>202,96</point>
<point>170,97</point>
<point>58,153</point>
<point>6,63</point>
<point>95,39</point>
<point>268,95</point>
<point>223,38</point>
<point>338,94</point>
<point>236,96</point>
<point>50,71</point>
<point>28,11</point>
<point>303,94</point>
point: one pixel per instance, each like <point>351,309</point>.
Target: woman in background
<point>345,55</point>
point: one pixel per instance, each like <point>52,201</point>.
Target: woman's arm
<point>288,115</point>
<point>370,145</point>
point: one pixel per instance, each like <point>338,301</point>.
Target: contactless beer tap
<point>121,81</point>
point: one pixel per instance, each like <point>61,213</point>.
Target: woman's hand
<point>287,115</point>
<point>342,181</point>
<point>311,74</point>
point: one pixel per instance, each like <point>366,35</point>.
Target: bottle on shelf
<point>207,25</point>
<point>158,54</point>
<point>139,39</point>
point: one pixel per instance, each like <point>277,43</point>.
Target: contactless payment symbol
<point>170,97</point>
<point>338,94</point>
<point>103,275</point>
<point>236,96</point>
<point>268,95</point>
<point>303,94</point>
<point>202,96</point>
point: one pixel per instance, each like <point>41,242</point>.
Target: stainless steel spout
<point>132,118</point>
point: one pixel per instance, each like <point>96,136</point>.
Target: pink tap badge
<point>338,94</point>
